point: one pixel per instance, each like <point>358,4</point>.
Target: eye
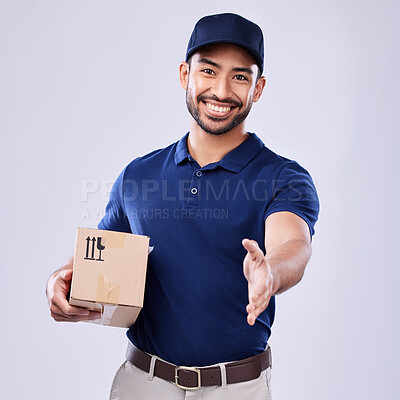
<point>241,78</point>
<point>208,71</point>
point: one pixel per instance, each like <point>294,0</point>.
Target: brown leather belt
<point>190,378</point>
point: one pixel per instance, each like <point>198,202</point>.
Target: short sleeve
<point>115,218</point>
<point>294,191</point>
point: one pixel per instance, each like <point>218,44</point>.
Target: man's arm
<point>288,249</point>
<point>57,290</point>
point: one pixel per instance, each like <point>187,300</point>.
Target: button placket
<point>194,188</point>
<point>195,182</point>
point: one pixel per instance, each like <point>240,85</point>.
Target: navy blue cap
<point>228,28</point>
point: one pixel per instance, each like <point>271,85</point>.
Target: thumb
<point>66,274</point>
<point>252,247</point>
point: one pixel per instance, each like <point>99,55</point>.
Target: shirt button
<point>193,190</point>
<point>199,173</point>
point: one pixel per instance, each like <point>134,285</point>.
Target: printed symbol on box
<point>99,247</point>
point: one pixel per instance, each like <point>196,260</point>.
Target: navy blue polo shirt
<point>194,310</point>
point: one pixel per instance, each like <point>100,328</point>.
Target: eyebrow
<point>236,69</point>
<point>243,69</point>
<point>207,61</point>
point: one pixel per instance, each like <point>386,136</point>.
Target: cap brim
<point>256,57</point>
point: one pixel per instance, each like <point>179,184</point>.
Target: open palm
<point>259,276</point>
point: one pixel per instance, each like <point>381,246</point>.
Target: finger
<point>257,310</point>
<point>259,300</point>
<point>57,311</point>
<point>251,319</point>
<point>66,309</point>
<point>258,286</point>
<point>251,307</point>
<point>61,318</point>
<point>57,314</point>
<point>252,316</point>
<point>253,249</point>
<point>256,295</point>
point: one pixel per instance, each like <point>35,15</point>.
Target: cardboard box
<point>109,274</point>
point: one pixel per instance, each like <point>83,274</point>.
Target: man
<point>231,224</point>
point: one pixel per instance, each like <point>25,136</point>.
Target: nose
<point>221,88</point>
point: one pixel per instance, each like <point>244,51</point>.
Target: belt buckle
<point>188,369</point>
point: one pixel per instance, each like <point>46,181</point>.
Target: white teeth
<point>216,108</point>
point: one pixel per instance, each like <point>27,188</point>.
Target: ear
<point>184,74</point>
<point>259,88</point>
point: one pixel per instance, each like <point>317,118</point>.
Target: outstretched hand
<point>259,276</point>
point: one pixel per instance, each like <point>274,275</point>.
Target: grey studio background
<point>86,86</point>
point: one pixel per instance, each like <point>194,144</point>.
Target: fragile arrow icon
<point>87,247</point>
<point>100,247</point>
<point>93,242</point>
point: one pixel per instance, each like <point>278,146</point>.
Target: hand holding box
<point>109,274</point>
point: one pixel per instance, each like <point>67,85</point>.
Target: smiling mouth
<point>218,110</point>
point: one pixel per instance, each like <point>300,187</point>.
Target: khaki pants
<point>131,383</point>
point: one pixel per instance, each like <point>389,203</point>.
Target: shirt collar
<point>181,152</point>
<point>234,161</point>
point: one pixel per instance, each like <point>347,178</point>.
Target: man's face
<point>221,87</point>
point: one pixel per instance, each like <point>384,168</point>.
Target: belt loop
<point>150,375</point>
<point>223,375</point>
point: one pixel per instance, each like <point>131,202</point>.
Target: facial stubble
<point>194,112</point>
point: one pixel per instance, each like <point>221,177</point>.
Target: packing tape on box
<point>107,312</point>
<point>106,292</point>
<point>114,240</point>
